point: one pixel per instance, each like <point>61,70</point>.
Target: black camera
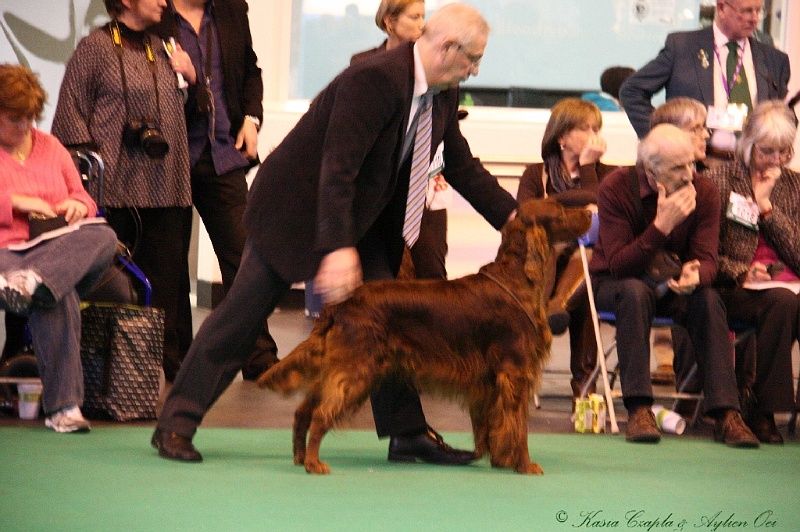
<point>145,133</point>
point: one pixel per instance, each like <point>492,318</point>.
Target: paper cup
<point>29,396</point>
<point>669,421</point>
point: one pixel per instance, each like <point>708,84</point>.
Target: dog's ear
<point>538,250</point>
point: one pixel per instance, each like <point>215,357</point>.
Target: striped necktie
<point>418,179</point>
<point>738,90</point>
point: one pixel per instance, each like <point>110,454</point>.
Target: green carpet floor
<point>111,479</point>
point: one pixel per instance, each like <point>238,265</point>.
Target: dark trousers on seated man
<point>702,313</point>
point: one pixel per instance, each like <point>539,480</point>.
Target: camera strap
<point>116,38</point>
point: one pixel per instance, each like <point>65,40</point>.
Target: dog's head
<point>562,224</point>
<point>539,224</point>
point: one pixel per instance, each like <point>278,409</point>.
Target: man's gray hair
<point>650,152</point>
<point>460,22</point>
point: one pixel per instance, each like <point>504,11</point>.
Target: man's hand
<point>675,208</point>
<point>182,64</point>
<point>247,140</point>
<point>338,275</point>
<point>689,279</point>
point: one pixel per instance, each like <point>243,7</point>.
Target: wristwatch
<point>254,120</point>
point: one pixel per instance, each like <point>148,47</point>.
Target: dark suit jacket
<point>679,68</point>
<point>243,86</point>
<point>368,53</point>
<point>338,170</point>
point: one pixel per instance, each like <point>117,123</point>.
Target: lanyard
<point>116,37</point>
<point>728,85</point>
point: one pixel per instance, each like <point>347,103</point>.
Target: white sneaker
<point>16,290</point>
<point>67,419</point>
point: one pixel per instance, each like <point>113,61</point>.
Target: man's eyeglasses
<point>474,60</point>
<point>757,12</point>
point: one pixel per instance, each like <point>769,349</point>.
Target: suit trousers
<point>396,407</point>
<point>429,252</point>
<point>703,314</point>
<point>223,344</point>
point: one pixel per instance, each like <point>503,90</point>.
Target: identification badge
<point>437,164</point>
<point>438,199</point>
<point>730,118</point>
<point>743,211</point>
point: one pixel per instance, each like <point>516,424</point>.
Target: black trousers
<point>223,344</point>
<point>702,313</point>
<point>159,245</point>
<point>429,252</point>
<point>220,201</point>
<point>774,313</point>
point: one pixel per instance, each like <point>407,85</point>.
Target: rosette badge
<point>703,57</point>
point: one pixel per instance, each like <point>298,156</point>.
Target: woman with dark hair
<point>38,179</point>
<point>571,171</point>
<point>120,95</point>
<point>759,257</point>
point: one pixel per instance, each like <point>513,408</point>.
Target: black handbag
<point>121,351</point>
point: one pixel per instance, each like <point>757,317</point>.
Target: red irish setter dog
<point>483,339</point>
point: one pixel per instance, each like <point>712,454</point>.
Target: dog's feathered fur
<point>482,338</point>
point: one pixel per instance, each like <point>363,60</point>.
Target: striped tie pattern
<point>418,180</point>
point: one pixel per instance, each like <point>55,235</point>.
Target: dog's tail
<point>300,366</point>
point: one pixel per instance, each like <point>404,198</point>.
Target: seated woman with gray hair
<point>759,257</point>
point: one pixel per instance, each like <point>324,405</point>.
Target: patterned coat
<point>781,229</point>
<point>91,110</point>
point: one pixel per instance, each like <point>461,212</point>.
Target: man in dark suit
<point>693,64</point>
<point>330,203</point>
<point>223,116</point>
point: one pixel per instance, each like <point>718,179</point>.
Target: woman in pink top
<point>759,247</point>
<point>44,282</point>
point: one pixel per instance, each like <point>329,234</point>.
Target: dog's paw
<point>299,458</point>
<point>316,467</point>
<point>531,468</point>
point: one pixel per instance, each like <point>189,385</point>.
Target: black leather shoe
<point>763,426</point>
<point>429,447</point>
<point>258,363</point>
<point>175,447</point>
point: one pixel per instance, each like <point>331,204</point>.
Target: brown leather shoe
<point>763,426</point>
<point>731,430</point>
<point>642,426</point>
<point>173,446</point>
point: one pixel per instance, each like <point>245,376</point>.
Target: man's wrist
<point>255,120</point>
